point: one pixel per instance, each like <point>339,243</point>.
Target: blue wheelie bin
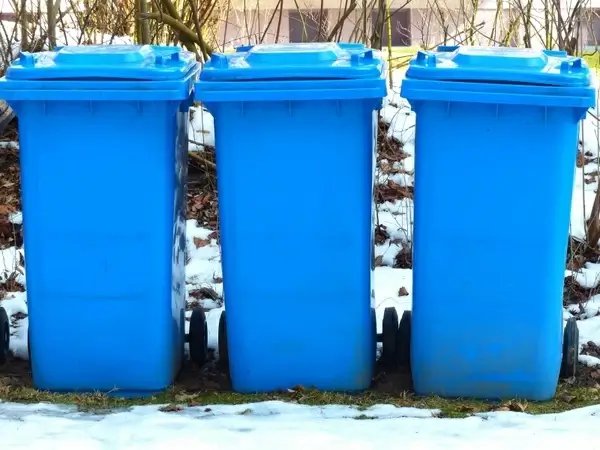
<point>496,144</point>
<point>103,148</point>
<point>296,237</point>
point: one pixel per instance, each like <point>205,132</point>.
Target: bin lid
<point>500,64</point>
<point>305,61</point>
<point>117,62</point>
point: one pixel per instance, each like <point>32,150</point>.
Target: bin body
<point>296,239</point>
<point>104,165</point>
<point>494,165</point>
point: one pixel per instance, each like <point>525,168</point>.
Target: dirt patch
<point>210,384</point>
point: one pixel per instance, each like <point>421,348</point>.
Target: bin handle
<point>219,60</point>
<point>425,58</point>
<point>571,65</point>
<point>356,58</point>
<point>243,48</point>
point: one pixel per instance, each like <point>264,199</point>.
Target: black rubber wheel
<point>29,344</point>
<point>403,339</point>
<point>570,350</point>
<point>223,347</point>
<point>389,331</point>
<point>4,336</point>
<point>198,337</point>
<point>374,331</point>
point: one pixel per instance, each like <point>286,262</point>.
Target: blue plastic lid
<point>294,61</point>
<point>500,64</point>
<point>117,62</point>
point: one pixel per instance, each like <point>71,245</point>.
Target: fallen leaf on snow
<point>201,242</point>
<point>171,408</point>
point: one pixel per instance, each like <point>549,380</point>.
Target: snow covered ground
<point>275,424</point>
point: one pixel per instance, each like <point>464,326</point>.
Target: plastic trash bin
<point>103,143</point>
<point>496,143</point>
<point>296,238</point>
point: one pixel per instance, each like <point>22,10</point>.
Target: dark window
<point>400,22</point>
<point>305,24</point>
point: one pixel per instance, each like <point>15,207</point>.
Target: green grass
<point>567,398</point>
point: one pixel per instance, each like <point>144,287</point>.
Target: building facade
<point>424,23</point>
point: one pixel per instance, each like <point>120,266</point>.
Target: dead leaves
<point>391,191</point>
<point>381,234</point>
<point>10,182</point>
<point>390,156</point>
<point>402,292</point>
<point>468,409</point>
<point>10,234</point>
<point>199,243</point>
<point>190,400</point>
<point>203,207</point>
<point>574,293</point>
<point>10,193</point>
<point>576,263</point>
<point>512,405</point>
<point>591,349</point>
<point>170,408</point>
<point>202,202</point>
<point>591,177</point>
<point>584,159</point>
<point>204,293</point>
<point>5,210</point>
<point>390,152</point>
<point>389,149</point>
<point>403,258</point>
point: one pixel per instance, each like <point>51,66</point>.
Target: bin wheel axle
<point>4,336</point>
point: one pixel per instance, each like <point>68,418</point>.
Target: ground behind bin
<point>208,384</point>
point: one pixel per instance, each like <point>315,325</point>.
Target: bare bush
<point>219,25</point>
